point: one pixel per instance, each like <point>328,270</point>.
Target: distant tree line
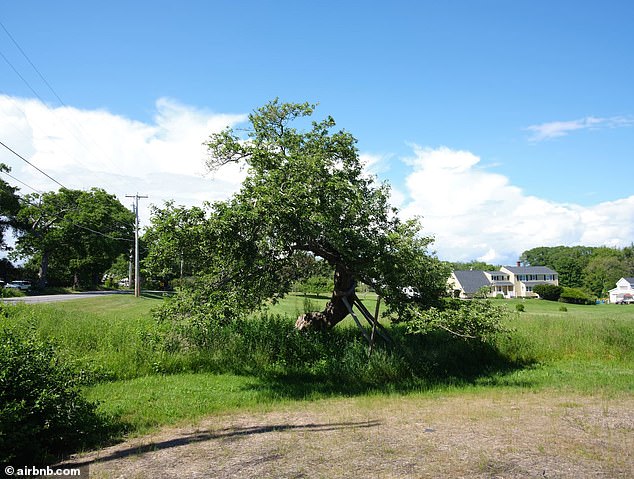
<point>473,265</point>
<point>63,238</point>
<point>592,269</point>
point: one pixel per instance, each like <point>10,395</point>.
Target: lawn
<point>585,350</point>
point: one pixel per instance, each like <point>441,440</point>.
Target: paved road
<point>53,298</point>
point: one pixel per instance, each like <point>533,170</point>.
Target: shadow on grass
<point>320,296</point>
<point>414,364</point>
<point>294,365</point>
<point>156,294</point>
<point>221,434</point>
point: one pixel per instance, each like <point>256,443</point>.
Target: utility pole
<point>137,280</point>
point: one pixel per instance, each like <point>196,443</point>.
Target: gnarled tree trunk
<point>335,310</point>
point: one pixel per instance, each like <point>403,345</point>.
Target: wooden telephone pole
<point>137,279</point>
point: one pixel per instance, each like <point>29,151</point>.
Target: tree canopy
<point>176,242</point>
<point>594,269</point>
<point>76,234</point>
<point>9,205</point>
<point>306,192</point>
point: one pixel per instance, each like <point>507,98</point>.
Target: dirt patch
<point>494,435</point>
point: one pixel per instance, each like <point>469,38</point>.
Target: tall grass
<point>108,338</point>
<point>545,334</point>
<point>137,367</point>
<point>116,338</point>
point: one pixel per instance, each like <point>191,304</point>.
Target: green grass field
<point>140,385</point>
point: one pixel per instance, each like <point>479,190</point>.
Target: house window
<point>527,277</point>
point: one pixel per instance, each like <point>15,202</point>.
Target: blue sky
<point>505,125</point>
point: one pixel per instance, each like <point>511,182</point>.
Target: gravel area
<point>483,435</point>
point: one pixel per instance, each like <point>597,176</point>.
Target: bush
<point>314,284</point>
<point>576,296</point>
<point>475,319</point>
<point>42,413</point>
<point>519,307</point>
<point>549,292</point>
<point>11,293</point>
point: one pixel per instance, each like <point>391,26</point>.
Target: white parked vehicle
<point>21,285</point>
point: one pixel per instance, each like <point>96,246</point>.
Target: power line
<point>30,63</point>
<point>40,192</point>
<point>76,125</point>
<point>100,233</point>
<point>20,181</point>
<point>21,77</point>
<point>29,163</point>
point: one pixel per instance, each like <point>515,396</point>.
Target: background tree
<point>473,265</point>
<point>8,271</point>
<point>119,269</point>
<point>306,191</point>
<point>9,205</point>
<point>176,242</point>
<point>593,269</point>
<point>603,270</point>
<point>568,261</point>
<point>315,275</point>
<point>77,234</point>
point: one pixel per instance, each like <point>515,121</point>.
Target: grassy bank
<point>260,363</point>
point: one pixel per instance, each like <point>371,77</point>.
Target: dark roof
<point>530,270</point>
<point>629,280</point>
<point>471,281</point>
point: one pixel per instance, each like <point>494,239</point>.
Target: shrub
<point>42,413</point>
<point>190,318</point>
<point>474,319</point>
<point>576,296</point>
<point>519,307</point>
<point>314,284</point>
<point>563,309</point>
<point>549,292</point>
<point>11,293</point>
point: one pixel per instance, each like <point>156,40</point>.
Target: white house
<point>525,278</point>
<point>501,283</point>
<point>624,290</point>
<point>509,281</point>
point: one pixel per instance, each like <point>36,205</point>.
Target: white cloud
<point>554,129</point>
<point>477,214</point>
<point>473,212</point>
<point>163,159</point>
<point>376,165</point>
